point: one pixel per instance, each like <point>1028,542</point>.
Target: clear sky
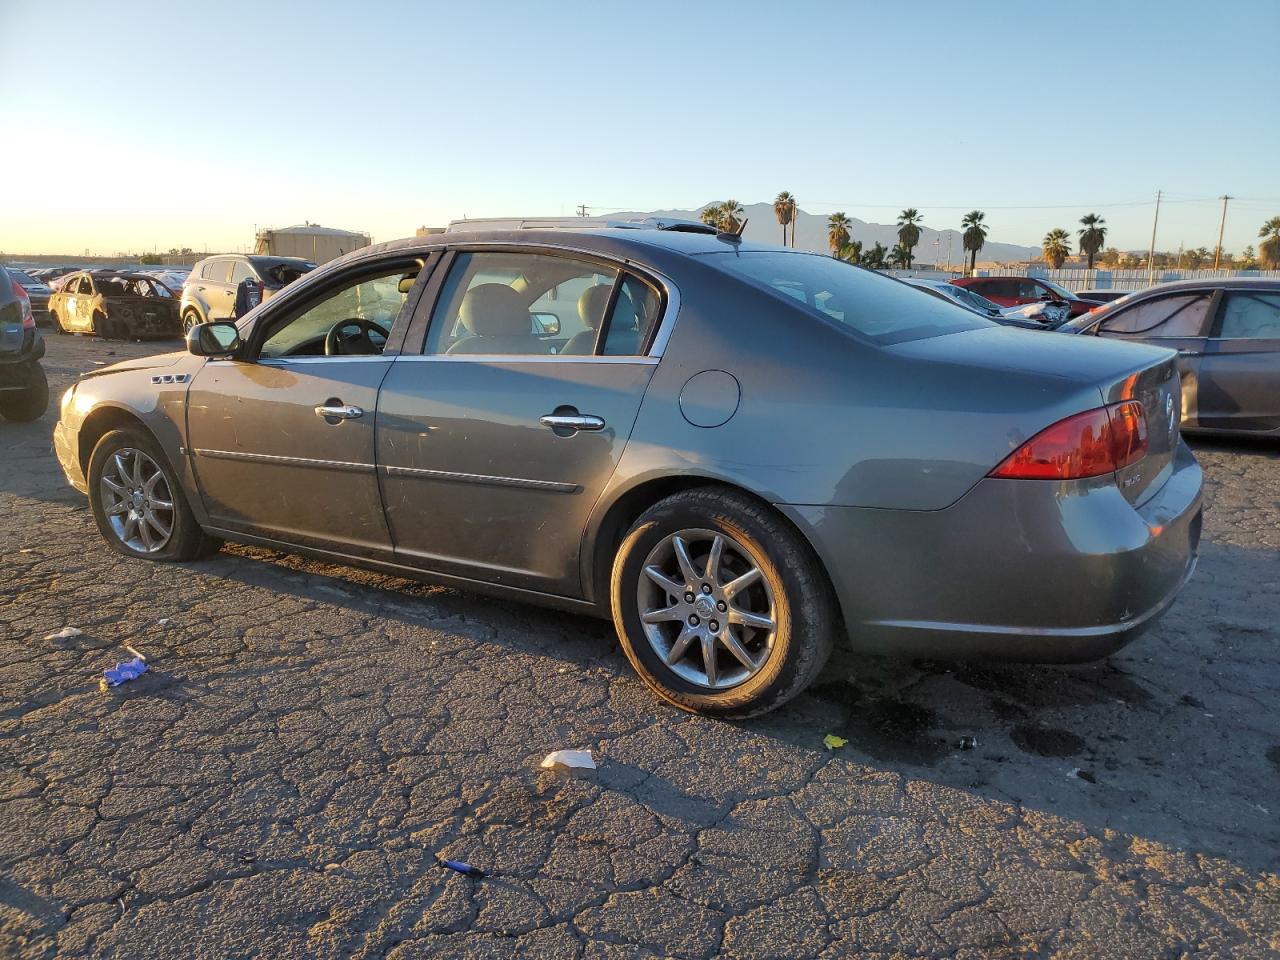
<point>182,124</point>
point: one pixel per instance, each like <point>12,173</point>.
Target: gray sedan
<point>739,453</point>
<point>1227,334</point>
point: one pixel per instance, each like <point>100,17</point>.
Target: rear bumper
<point>1037,571</point>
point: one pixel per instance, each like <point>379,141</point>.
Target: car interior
<point>503,304</point>
<point>353,321</point>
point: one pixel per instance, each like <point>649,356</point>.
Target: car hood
<point>141,363</point>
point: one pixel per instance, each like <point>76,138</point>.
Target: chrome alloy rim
<point>706,608</point>
<point>137,500</point>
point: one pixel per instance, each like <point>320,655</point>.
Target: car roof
<point>605,240</point>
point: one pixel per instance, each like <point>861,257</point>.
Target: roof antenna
<point>735,236</point>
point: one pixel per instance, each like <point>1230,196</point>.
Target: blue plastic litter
<point>461,867</point>
<point>124,672</point>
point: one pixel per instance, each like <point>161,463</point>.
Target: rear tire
<point>30,403</point>
<point>189,320</point>
<point>185,539</point>
<point>769,635</point>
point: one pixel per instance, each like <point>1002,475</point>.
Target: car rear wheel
<point>29,403</point>
<point>189,320</point>
<point>139,506</point>
<point>720,605</point>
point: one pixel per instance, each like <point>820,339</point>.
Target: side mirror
<point>220,338</point>
<point>545,324</point>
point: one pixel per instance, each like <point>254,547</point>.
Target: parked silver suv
<point>209,292</point>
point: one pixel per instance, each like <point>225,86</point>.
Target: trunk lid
<point>1117,371</point>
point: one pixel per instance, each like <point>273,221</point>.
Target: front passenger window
<point>355,320</point>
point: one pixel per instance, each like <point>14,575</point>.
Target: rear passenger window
<point>634,318</point>
<point>1180,316</point>
<point>217,270</point>
<point>1251,316</point>
<point>241,271</point>
<point>520,303</point>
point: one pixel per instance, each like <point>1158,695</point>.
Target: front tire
<point>721,606</point>
<point>138,503</point>
<point>189,320</point>
<point>29,403</point>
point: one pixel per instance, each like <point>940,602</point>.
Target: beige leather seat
<point>498,322</point>
<point>624,337</point>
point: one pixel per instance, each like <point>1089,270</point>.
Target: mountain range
<point>811,234</point>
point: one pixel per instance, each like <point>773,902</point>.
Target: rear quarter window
<point>870,305</point>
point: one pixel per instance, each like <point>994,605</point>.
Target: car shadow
<point>1151,742</point>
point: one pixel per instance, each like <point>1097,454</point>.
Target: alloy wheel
<point>707,609</point>
<point>137,500</point>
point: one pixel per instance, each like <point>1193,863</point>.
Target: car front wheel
<point>139,506</point>
<point>720,605</point>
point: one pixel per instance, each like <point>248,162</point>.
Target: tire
<point>186,541</point>
<point>189,320</point>
<point>57,323</point>
<point>30,403</point>
<point>790,590</point>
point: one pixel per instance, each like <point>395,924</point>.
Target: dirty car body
<point>932,467</point>
<point>116,305</point>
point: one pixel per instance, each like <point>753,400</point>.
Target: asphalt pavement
<point>311,738</point>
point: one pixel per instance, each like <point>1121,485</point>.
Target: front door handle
<point>572,421</point>
<point>338,412</point>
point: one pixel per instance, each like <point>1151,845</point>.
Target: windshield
<point>1060,290</point>
<point>873,306</point>
<point>975,301</point>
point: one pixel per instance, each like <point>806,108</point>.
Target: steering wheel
<point>336,344</point>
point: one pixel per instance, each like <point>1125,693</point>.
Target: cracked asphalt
<point>311,738</point>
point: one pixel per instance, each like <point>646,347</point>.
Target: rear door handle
<point>572,421</point>
<point>339,412</point>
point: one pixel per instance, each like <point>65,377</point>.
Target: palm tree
<point>710,215</point>
<point>1269,248</point>
<point>900,256</point>
<point>908,232</point>
<point>784,208</point>
<point>975,235</point>
<point>851,251</point>
<point>1057,247</point>
<point>838,232</point>
<point>874,258</point>
<point>1093,236</point>
<point>731,216</point>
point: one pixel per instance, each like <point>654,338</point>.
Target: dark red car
<point>1015,291</point>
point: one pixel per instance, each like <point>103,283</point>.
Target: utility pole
<point>582,209</point>
<point>1217,254</point>
<point>1151,253</point>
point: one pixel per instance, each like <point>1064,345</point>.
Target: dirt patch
<point>1047,741</point>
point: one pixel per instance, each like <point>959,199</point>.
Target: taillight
<point>28,318</point>
<point>1088,444</point>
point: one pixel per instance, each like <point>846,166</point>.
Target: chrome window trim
<point>550,486</point>
<point>642,360</point>
<point>344,465</point>
<point>346,358</point>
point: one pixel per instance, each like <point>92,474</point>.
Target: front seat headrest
<point>494,310</point>
<point>592,303</point>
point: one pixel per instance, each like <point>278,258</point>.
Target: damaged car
<point>115,305</point>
